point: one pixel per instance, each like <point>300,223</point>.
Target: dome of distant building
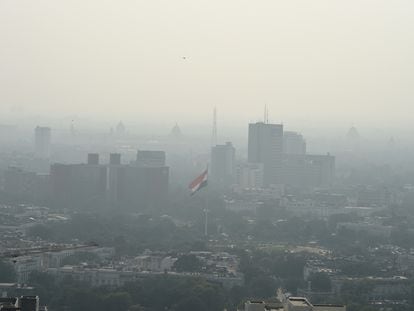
<point>120,128</point>
<point>176,131</point>
<point>353,134</point>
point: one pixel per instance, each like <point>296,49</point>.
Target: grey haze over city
<point>335,62</point>
<point>206,155</point>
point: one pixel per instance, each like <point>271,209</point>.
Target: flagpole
<point>197,184</point>
<point>206,218</point>
<point>206,211</point>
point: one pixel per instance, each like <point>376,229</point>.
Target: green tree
<point>320,282</point>
<point>262,287</point>
<point>118,301</point>
<point>190,304</point>
<point>188,263</point>
<point>7,272</point>
<point>41,231</point>
<point>136,308</point>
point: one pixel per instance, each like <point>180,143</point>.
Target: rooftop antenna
<point>214,133</point>
<point>266,115</point>
<point>72,128</point>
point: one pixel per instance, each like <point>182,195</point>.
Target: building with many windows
<point>265,145</point>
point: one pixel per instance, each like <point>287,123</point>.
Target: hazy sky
<point>346,60</point>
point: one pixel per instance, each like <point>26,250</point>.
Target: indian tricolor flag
<point>199,182</point>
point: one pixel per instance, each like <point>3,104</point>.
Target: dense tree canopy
<point>7,273</point>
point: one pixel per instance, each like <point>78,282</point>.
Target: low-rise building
<point>290,304</point>
<point>25,265</point>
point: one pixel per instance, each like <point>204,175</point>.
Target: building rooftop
<point>299,301</point>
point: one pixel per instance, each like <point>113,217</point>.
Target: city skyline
<point>206,155</point>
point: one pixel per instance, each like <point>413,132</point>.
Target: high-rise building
<point>93,158</point>
<point>150,158</point>
<point>19,183</point>
<point>293,143</point>
<point>142,187</point>
<point>113,173</point>
<point>114,184</point>
<point>223,164</point>
<point>42,142</point>
<point>24,185</point>
<point>115,159</point>
<point>79,184</point>
<point>265,146</point>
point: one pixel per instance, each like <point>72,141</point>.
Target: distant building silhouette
<point>78,184</point>
<point>353,139</point>
<point>23,185</point>
<point>120,129</point>
<point>93,158</point>
<point>72,129</point>
<point>150,158</point>
<point>293,143</point>
<point>176,132</point>
<point>115,159</point>
<point>142,187</point>
<point>115,185</point>
<point>304,170</point>
<point>250,175</point>
<point>42,142</point>
<point>284,159</point>
<point>352,134</point>
<point>223,164</point>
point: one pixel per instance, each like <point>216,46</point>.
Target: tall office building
<point>25,185</point>
<point>265,146</point>
<point>115,185</point>
<point>93,158</point>
<point>150,158</point>
<point>293,143</point>
<point>223,164</point>
<point>142,187</point>
<point>79,184</point>
<point>19,183</point>
<point>113,177</point>
<point>42,141</point>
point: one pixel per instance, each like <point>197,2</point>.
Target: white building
<point>249,176</point>
<point>154,263</point>
<point>25,265</point>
